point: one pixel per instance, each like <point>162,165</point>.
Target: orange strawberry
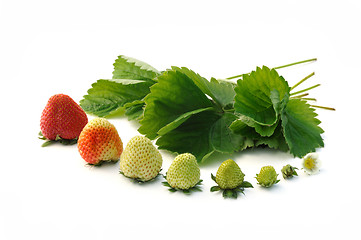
<point>62,118</point>
<point>99,141</point>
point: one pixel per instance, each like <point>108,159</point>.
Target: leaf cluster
<point>185,112</point>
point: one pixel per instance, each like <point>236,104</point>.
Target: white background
<point>50,47</point>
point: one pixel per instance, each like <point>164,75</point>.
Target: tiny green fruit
<point>230,179</point>
<point>267,176</point>
<point>184,173</point>
<point>288,171</point>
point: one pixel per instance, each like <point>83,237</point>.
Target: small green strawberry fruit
<point>230,179</point>
<point>288,171</point>
<point>183,174</point>
<point>140,160</point>
<point>267,176</point>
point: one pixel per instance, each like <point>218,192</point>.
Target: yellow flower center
<point>310,163</point>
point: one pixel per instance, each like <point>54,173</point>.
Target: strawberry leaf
<point>174,94</point>
<point>256,97</point>
<point>300,128</point>
<point>203,134</point>
<point>220,91</point>
<point>192,136</point>
<point>221,136</point>
<point>107,97</point>
<point>131,68</point>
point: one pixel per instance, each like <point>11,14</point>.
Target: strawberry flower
<point>311,163</point>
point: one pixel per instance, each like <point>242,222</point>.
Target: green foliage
<point>131,68</point>
<point>107,97</point>
<point>300,127</point>
<point>130,84</point>
<point>185,112</point>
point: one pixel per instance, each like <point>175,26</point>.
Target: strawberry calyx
<point>230,193</point>
<point>57,139</point>
<point>138,180</point>
<point>101,163</point>
<point>195,188</point>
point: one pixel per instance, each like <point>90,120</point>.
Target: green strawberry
<point>230,179</point>
<point>288,171</point>
<point>267,176</point>
<point>183,174</point>
<point>140,160</point>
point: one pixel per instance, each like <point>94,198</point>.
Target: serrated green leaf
<point>134,110</point>
<point>202,134</point>
<point>221,136</point>
<point>110,95</point>
<point>192,136</point>
<point>174,94</point>
<point>181,119</point>
<point>300,128</point>
<point>276,141</point>
<point>262,130</point>
<point>221,91</point>
<point>131,68</point>
<point>256,95</point>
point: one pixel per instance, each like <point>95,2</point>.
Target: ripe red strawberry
<point>99,141</point>
<point>62,118</point>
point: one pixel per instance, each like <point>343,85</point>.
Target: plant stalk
<point>304,79</point>
<point>283,66</point>
<point>326,108</point>
<point>305,90</point>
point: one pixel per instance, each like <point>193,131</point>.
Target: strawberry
<point>99,141</point>
<point>183,174</point>
<point>288,171</point>
<point>140,160</point>
<point>230,179</point>
<point>267,176</point>
<point>62,118</point>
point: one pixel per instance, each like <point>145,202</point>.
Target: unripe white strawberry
<point>140,159</point>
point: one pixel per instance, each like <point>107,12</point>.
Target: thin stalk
<point>283,66</point>
<point>300,96</point>
<point>305,90</point>
<point>326,108</point>
<point>304,79</point>
<point>309,99</point>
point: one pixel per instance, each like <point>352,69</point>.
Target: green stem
<point>305,90</point>
<point>304,79</point>
<point>309,99</point>
<point>301,96</point>
<point>326,108</point>
<point>283,66</point>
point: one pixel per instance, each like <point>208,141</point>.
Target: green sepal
<point>231,193</point>
<point>195,188</point>
<point>138,180</point>
<point>215,188</point>
<point>57,139</point>
<point>246,184</point>
<point>102,162</point>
